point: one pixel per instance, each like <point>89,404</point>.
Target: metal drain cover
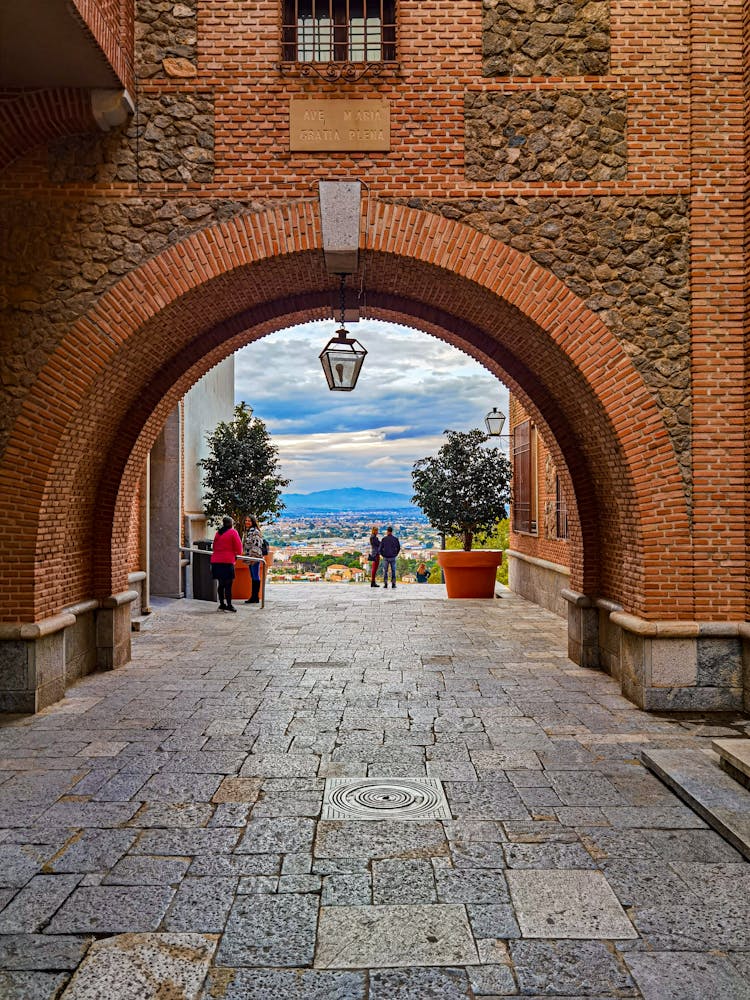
<point>384,798</point>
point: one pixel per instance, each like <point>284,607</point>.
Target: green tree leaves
<point>465,488</point>
<point>241,474</point>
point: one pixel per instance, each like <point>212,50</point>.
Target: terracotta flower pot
<point>241,588</point>
<point>470,574</point>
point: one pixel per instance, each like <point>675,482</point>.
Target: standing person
<point>423,573</point>
<point>254,547</point>
<point>374,555</point>
<point>227,546</point>
<point>390,547</point>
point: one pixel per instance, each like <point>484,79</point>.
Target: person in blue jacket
<point>390,547</point>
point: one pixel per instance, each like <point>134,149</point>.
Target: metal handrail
<point>243,558</point>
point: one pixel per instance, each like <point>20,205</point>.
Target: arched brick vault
<point>103,396</point>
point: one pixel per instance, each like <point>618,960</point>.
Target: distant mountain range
<point>352,498</point>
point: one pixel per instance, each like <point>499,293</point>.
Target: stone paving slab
<point>273,984</point>
<point>570,968</point>
<point>180,798</point>
<point>112,909</point>
<point>567,904</point>
<point>362,937</point>
<point>32,985</point>
<point>31,952</point>
<point>270,930</point>
<point>143,967</point>
<point>687,976</point>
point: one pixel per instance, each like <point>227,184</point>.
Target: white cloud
<point>412,387</point>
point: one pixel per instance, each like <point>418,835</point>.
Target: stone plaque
<point>344,125</point>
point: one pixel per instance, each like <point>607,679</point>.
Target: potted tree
<point>241,477</point>
<point>464,490</point>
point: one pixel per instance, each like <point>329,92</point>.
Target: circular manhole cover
<point>387,798</point>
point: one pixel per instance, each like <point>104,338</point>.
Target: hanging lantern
<point>342,356</point>
<point>495,421</point>
<point>342,359</point>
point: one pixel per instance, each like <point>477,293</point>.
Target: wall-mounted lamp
<point>495,421</point>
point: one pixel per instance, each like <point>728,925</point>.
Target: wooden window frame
<point>525,492</point>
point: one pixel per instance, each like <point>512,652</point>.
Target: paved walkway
<point>161,827</point>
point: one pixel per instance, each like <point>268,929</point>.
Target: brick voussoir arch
<point>408,235</point>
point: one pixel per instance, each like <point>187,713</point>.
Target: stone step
<point>695,775</point>
<point>138,623</point>
<point>734,757</point>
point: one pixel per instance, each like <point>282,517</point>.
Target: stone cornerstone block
<point>674,663</point>
<point>32,673</point>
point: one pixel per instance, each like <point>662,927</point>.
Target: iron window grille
<point>339,31</point>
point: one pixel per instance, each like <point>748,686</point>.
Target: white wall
<point>210,401</point>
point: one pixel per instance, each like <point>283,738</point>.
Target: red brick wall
<point>544,544</point>
<point>111,24</point>
<point>440,57</point>
<point>746,132</point>
<point>133,549</point>
<point>28,118</point>
<point>181,273</point>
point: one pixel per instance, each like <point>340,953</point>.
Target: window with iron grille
<point>524,478</point>
<point>561,508</point>
<point>341,31</point>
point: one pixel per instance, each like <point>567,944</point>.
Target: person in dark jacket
<point>374,555</point>
<point>390,547</point>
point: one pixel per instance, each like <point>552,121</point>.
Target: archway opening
<point>125,365</point>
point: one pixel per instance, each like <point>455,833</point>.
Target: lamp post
<point>342,356</point>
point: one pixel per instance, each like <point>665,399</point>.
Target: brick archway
<point>100,400</point>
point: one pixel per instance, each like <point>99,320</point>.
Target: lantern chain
<point>342,299</point>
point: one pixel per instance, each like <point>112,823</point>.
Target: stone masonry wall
<point>545,38</point>
<point>166,40</point>
<point>546,135</point>
<point>170,139</point>
<point>628,259</point>
<point>62,255</point>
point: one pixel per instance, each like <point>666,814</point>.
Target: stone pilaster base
<point>681,666</point>
<point>32,664</point>
<point>745,640</point>
<point>113,630</point>
<point>583,630</point>
<point>39,660</point>
<point>669,666</point>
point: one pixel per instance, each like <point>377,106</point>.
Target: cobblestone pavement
<point>161,829</point>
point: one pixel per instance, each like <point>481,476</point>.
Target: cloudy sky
<point>412,387</point>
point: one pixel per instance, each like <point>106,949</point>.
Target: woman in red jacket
<point>227,546</point>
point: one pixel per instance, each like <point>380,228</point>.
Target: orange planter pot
<point>241,588</point>
<point>470,574</point>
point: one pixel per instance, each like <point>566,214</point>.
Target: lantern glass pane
<point>341,363</point>
<point>343,368</point>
